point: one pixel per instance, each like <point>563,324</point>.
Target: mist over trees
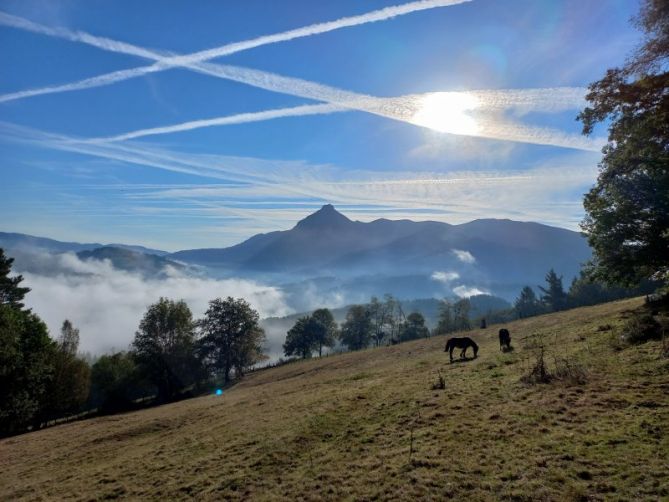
<point>43,380</point>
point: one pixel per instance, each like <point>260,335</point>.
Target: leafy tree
<point>377,317</point>
<point>381,317</point>
<point>231,338</point>
<point>414,327</point>
<point>324,329</point>
<point>527,304</point>
<point>300,340</point>
<point>69,388</point>
<point>461,310</point>
<point>26,356</point>
<point>587,290</point>
<point>26,368</point>
<point>554,296</point>
<point>115,382</point>
<point>164,346</point>
<point>394,316</point>
<point>356,331</point>
<point>10,292</point>
<point>445,323</point>
<point>69,338</point>
<point>627,211</point>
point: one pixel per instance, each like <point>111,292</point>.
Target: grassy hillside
<point>369,425</point>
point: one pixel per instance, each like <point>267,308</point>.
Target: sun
<point>448,112</point>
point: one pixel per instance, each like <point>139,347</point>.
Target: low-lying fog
<point>107,304</point>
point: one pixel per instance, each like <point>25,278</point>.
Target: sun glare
<point>448,112</point>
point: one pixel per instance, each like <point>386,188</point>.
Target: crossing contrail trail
<point>402,108</point>
<point>167,61</point>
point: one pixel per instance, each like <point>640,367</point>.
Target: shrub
<point>539,372</point>
<point>640,328</point>
<point>570,371</point>
<point>440,384</point>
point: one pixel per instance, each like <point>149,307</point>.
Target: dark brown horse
<point>504,340</point>
<point>461,343</point>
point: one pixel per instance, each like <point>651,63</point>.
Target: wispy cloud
<point>166,61</point>
<point>251,189</point>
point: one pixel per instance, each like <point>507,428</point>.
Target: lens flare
<point>448,112</point>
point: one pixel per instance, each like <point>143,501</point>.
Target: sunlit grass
<point>370,425</point>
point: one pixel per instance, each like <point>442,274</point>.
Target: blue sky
<point>512,147</point>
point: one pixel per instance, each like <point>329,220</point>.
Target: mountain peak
<point>326,217</point>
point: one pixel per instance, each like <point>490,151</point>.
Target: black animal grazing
<point>461,343</point>
<point>504,340</point>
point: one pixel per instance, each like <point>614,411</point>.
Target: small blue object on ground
<point>219,392</point>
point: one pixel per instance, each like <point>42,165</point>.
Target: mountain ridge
<point>327,241</point>
<point>406,258</point>
<point>17,240</point>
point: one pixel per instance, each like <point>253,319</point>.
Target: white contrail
<point>75,36</point>
<point>239,118</point>
<point>402,108</point>
<point>164,62</point>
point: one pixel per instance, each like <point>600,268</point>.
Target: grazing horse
<point>504,340</point>
<point>461,343</point>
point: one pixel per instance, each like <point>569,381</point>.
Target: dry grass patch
<point>369,425</point>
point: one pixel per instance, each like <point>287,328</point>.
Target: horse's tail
<point>448,344</point>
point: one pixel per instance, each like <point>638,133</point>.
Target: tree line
<point>585,290</point>
<point>376,323</point>
<point>172,355</point>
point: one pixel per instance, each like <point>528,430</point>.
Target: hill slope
<point>368,425</point>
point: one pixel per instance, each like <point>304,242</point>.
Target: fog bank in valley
<point>107,304</point>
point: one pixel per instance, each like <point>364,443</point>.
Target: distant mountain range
<point>149,265</point>
<point>30,251</point>
<point>32,243</point>
<point>493,255</point>
<point>327,255</point>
